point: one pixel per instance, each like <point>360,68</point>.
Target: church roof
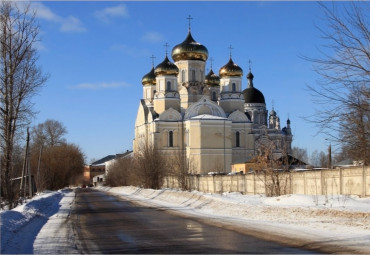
<point>208,117</point>
<point>231,69</point>
<point>204,107</point>
<point>166,68</point>
<point>189,49</point>
<point>251,94</point>
<point>212,79</point>
<point>149,78</point>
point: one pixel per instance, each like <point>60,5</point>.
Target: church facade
<point>208,118</point>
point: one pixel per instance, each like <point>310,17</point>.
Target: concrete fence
<point>344,181</point>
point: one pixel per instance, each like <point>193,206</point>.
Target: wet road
<point>108,224</point>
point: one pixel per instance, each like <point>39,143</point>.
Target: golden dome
<point>166,68</point>
<point>149,78</point>
<point>189,50</point>
<point>212,79</point>
<point>231,69</point>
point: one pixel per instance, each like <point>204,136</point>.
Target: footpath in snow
<point>341,223</point>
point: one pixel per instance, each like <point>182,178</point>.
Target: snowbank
<point>20,226</point>
<point>339,223</point>
<point>342,223</point>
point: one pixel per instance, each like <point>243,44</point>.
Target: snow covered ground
<point>32,227</point>
<point>339,222</point>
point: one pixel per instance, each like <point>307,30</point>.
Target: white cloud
<point>101,85</point>
<point>72,24</point>
<point>67,24</point>
<point>45,13</point>
<point>153,37</point>
<point>112,12</point>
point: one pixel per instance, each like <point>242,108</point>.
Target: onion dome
<point>212,79</point>
<point>250,76</point>
<point>166,68</point>
<point>149,78</point>
<point>251,94</point>
<point>273,113</point>
<point>231,69</point>
<point>189,50</point>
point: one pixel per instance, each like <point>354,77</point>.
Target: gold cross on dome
<point>189,18</point>
<point>230,48</point>
<point>152,57</point>
<point>166,45</point>
<point>211,59</point>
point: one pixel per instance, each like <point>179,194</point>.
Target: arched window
<point>233,87</point>
<point>170,139</point>
<point>214,96</point>
<point>237,139</point>
<point>193,75</point>
<point>183,75</point>
<point>168,85</point>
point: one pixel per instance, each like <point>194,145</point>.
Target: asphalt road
<point>107,224</point>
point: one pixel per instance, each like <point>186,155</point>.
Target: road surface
<point>109,224</point>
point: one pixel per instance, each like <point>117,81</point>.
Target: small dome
<point>253,95</point>
<point>212,79</point>
<point>189,50</point>
<point>166,68</point>
<point>231,69</point>
<point>250,76</point>
<point>149,78</point>
<point>273,113</point>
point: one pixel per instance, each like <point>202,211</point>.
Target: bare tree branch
<point>20,80</point>
<point>342,95</point>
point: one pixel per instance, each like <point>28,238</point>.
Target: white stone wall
<point>344,181</point>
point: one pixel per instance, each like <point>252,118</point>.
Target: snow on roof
<point>208,117</point>
<point>103,161</point>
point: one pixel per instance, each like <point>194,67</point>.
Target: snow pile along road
<point>342,223</point>
<point>335,224</point>
<point>20,226</point>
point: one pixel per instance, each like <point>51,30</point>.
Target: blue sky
<point>96,54</point>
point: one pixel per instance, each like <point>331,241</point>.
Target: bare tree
<point>48,134</point>
<point>121,173</point>
<point>300,154</point>
<point>61,166</point>
<point>343,92</point>
<point>319,159</point>
<point>179,167</point>
<point>150,166</point>
<point>20,79</point>
<point>273,169</point>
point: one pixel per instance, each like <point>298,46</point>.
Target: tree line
<point>53,162</point>
<point>148,168</point>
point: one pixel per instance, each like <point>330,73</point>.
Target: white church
<point>209,118</point>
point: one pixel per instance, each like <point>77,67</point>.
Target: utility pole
<point>30,189</point>
<point>26,168</point>
<point>23,182</point>
<point>38,169</point>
